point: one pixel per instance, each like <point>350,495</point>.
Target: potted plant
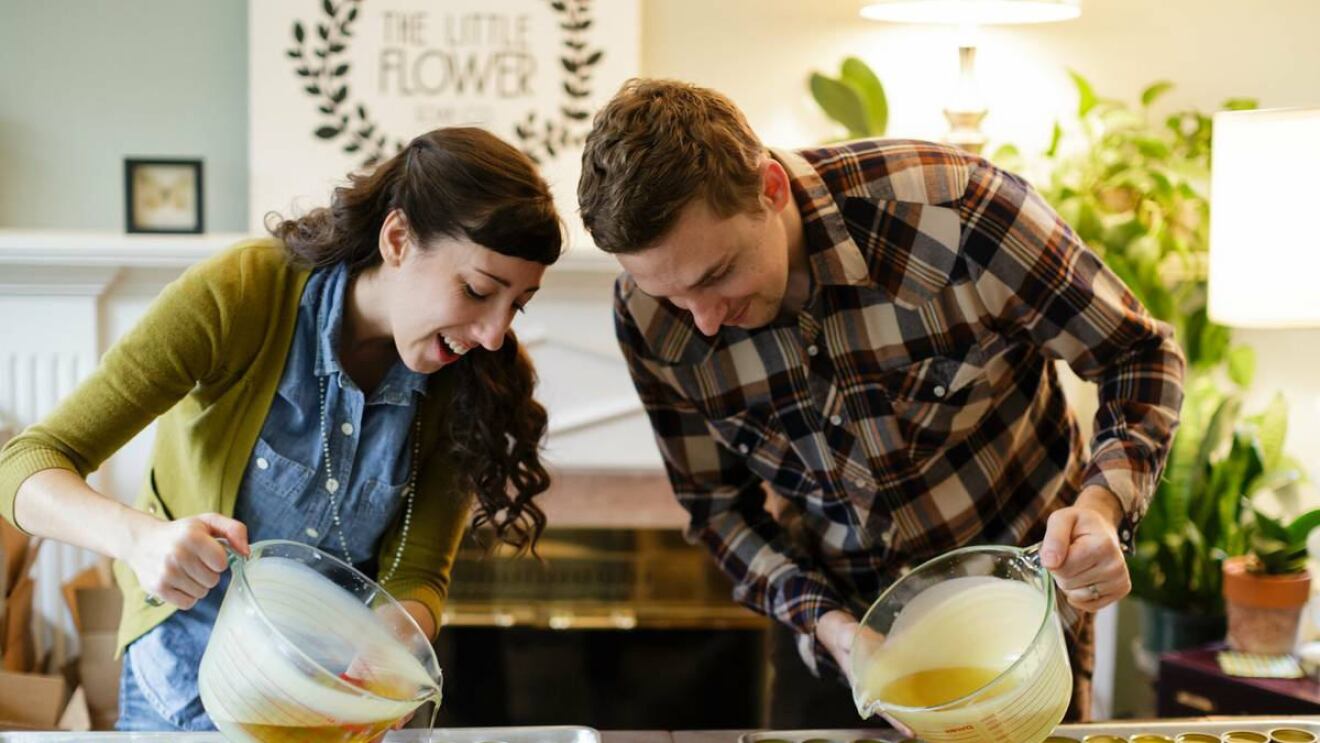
<point>855,99</point>
<point>1266,589</point>
<point>1221,462</point>
<point>1134,186</point>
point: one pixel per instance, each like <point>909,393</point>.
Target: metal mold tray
<point>541,734</point>
<point>547,734</point>
<point>1214,726</point>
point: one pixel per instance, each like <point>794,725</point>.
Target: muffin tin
<point>1225,730</point>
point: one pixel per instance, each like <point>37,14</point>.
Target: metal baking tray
<point>547,734</point>
<point>888,735</point>
<point>1214,726</point>
<point>542,734</point>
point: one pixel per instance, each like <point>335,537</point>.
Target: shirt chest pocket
<point>937,401</point>
<point>276,476</point>
<point>380,497</point>
<point>766,449</point>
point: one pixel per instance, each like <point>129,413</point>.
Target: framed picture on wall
<point>163,195</point>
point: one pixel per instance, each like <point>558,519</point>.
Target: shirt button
<point>1126,535</point>
<point>347,428</point>
<point>743,449</point>
<point>813,349</point>
<point>859,482</point>
<point>836,420</point>
<point>939,390</point>
<point>262,464</point>
<point>312,532</point>
<point>332,485</point>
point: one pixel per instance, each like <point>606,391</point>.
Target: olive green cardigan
<point>204,362</point>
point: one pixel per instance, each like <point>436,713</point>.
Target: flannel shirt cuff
<point>1120,467</point>
<point>801,611</point>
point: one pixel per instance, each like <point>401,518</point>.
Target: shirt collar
<point>832,256</point>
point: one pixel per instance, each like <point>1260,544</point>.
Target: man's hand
<point>1081,549</point>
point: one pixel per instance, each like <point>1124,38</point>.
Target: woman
<point>352,383</point>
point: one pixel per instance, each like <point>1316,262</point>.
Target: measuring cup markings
<point>291,610</point>
<point>1028,691</point>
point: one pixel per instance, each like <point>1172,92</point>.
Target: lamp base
<point>965,130</point>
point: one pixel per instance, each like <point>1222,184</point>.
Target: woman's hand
<point>181,561</point>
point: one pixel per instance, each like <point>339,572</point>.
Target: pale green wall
<point>84,83</point>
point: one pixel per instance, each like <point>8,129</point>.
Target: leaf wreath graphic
<point>547,138</point>
<point>324,72</point>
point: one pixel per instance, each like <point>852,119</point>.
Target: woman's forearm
<point>58,504</point>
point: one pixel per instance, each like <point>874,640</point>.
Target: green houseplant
<point>1134,186</point>
<point>855,99</point>
<point>1266,589</point>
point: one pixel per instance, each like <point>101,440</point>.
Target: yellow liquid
<point>937,686</point>
<point>361,732</point>
<point>326,734</point>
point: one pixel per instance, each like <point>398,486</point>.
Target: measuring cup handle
<point>1032,554</point>
<point>231,554</point>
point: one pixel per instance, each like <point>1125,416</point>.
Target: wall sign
<point>337,85</point>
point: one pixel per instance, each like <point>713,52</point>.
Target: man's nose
<point>709,314</point>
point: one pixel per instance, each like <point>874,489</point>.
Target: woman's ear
<point>395,238</point>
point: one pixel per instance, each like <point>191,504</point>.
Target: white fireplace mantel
<point>92,249</point>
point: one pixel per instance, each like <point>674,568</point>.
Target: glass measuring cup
<point>966,648</point>
<point>307,648</point>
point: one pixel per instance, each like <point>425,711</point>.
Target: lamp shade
<point>980,12</point>
<point>1264,244</point>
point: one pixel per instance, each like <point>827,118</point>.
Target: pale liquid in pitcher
<point>960,638</point>
<point>257,691</point>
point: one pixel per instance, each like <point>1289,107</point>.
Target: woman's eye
<point>473,292</point>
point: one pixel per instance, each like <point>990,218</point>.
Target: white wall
<point>761,51</point>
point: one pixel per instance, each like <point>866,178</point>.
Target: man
<point>870,329</point>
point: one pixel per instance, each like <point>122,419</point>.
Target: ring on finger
<point>1093,592</point>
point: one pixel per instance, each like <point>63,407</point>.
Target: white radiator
<point>32,382</point>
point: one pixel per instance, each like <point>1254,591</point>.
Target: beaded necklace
<point>409,490</point>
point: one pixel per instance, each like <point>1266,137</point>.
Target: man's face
<point>724,270</point>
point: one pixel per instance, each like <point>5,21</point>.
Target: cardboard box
<point>95,604</point>
<point>34,701</point>
<point>98,612</point>
<point>17,650</point>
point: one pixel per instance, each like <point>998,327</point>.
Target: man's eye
<point>716,278</point>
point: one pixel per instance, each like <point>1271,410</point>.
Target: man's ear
<point>775,188</point>
<point>395,238</point>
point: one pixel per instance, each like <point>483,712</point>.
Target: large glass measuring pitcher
<point>966,648</point>
<point>307,648</point>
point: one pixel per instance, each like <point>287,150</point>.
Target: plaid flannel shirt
<point>912,406</point>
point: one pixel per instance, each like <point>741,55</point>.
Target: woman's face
<point>454,297</point>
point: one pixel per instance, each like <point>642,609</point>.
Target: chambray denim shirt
<point>283,494</point>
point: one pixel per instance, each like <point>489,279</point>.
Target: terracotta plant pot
<point>1264,611</point>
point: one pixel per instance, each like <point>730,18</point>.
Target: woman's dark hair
<point>459,183</point>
